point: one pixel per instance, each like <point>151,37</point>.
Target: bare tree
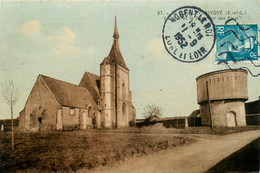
<point>11,96</point>
<point>151,110</point>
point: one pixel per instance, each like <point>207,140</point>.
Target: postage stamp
<point>188,34</point>
<point>236,43</point>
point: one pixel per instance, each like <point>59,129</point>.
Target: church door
<point>231,119</point>
<point>59,119</point>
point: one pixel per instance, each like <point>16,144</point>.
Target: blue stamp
<point>236,43</point>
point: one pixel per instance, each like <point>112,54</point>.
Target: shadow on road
<point>244,160</point>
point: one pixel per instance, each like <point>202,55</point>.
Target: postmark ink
<point>188,34</point>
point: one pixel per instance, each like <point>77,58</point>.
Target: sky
<point>64,39</point>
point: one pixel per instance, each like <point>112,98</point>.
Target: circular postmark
<point>188,34</point>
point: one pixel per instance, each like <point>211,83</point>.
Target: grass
<point>71,151</point>
<point>159,128</point>
<point>218,130</point>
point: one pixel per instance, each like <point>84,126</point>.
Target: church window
<point>123,108</point>
<point>123,89</point>
<point>72,111</point>
<point>89,111</point>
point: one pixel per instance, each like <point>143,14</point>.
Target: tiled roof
<point>68,94</point>
<point>195,114</point>
<point>115,56</point>
<point>91,82</point>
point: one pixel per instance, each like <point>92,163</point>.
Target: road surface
<point>195,158</point>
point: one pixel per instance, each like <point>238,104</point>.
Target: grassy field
<point>158,128</point>
<point>70,151</point>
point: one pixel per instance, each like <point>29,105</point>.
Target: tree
<point>151,110</point>
<point>11,96</point>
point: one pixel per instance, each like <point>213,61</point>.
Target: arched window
<point>89,111</point>
<point>123,108</point>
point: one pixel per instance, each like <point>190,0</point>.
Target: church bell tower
<point>116,98</point>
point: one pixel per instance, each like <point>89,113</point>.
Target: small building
<point>194,119</point>
<point>253,107</point>
<point>179,122</point>
<point>6,124</point>
<point>253,112</point>
<point>168,122</point>
<point>221,96</point>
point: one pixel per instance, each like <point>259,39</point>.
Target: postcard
<point>129,86</point>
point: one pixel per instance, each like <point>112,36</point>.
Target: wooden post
<point>210,113</point>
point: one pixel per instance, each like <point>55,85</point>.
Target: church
<point>103,101</point>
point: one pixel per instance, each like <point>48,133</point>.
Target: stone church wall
<point>123,100</point>
<point>70,118</point>
<point>40,104</point>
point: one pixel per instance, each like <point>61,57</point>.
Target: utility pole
<point>208,98</point>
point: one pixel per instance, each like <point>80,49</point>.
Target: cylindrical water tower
<point>222,95</point>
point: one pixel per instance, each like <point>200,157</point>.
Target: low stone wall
<point>177,123</point>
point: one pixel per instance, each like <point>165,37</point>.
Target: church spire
<point>115,55</point>
<point>116,35</point>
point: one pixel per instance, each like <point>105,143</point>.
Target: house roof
<point>173,118</point>
<point>91,82</point>
<point>195,113</point>
<point>68,94</point>
<point>115,55</point>
<point>153,118</point>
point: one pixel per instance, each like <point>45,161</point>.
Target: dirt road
<point>197,157</point>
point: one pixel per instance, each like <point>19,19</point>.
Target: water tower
<point>221,96</point>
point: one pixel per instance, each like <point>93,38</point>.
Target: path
<point>197,157</point>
